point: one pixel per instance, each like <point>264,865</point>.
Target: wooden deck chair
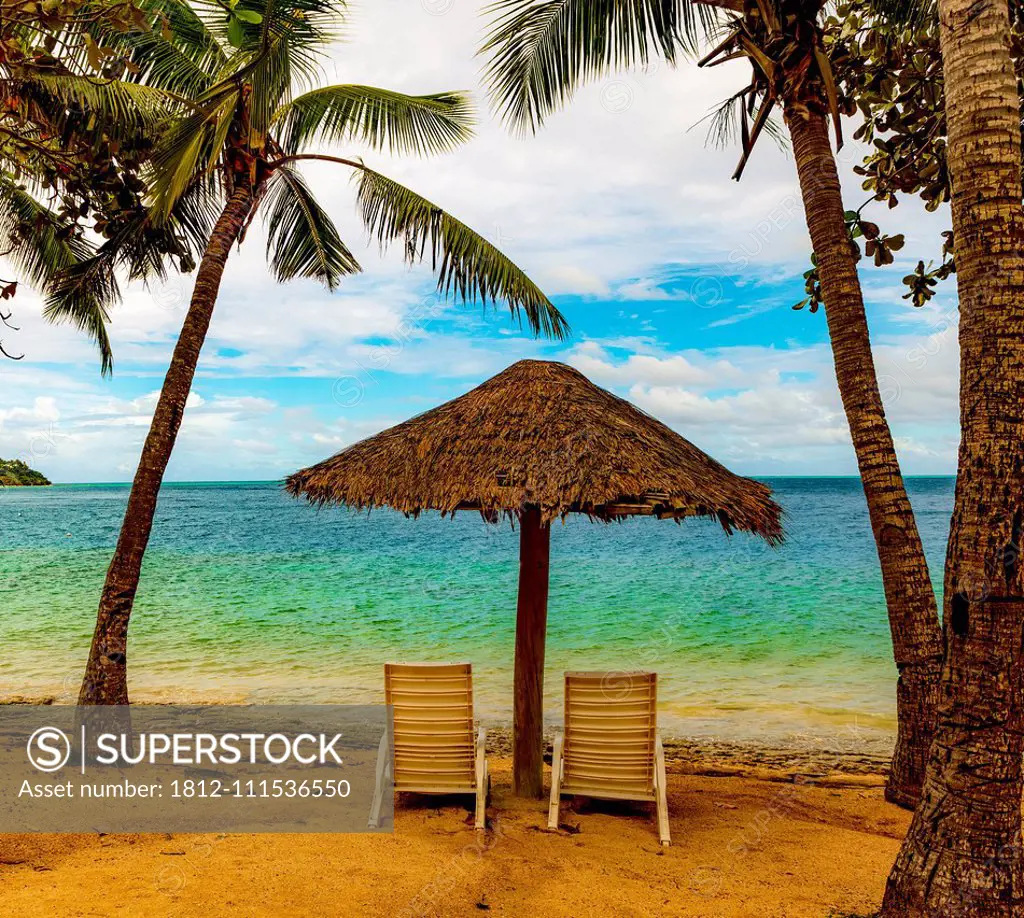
<point>436,750</point>
<point>611,748</point>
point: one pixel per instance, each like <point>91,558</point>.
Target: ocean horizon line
<point>184,482</point>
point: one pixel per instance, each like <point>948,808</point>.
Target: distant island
<point>14,473</point>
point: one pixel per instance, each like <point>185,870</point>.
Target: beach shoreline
<point>805,759</point>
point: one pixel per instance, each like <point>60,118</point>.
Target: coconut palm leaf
<point>249,26</point>
<point>271,76</point>
<point>124,108</point>
<point>196,212</point>
<point>276,45</point>
<point>729,123</point>
<point>467,265</point>
<point>44,253</point>
<point>302,240</point>
<point>177,54</point>
<point>191,146</point>
<point>137,249</point>
<point>79,295</point>
<point>542,51</point>
<point>383,119</point>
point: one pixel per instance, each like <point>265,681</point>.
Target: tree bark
<point>106,674</point>
<point>962,854</point>
<point>531,634</point>
<point>909,594</point>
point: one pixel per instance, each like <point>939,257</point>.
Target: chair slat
<point>434,739</point>
<point>610,728</point>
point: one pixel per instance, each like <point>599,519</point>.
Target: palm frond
<point>196,212</point>
<point>190,146</point>
<point>467,265</point>
<point>44,253</point>
<point>271,77</point>
<point>139,249</point>
<point>77,295</point>
<point>278,46</point>
<point>254,26</point>
<point>380,118</point>
<point>302,240</point>
<point>124,108</point>
<point>724,120</point>
<point>726,123</point>
<point>178,53</point>
<point>42,250</point>
<point>541,51</point>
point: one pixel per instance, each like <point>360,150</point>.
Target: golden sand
<point>742,846</point>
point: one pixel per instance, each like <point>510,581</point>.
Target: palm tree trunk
<point>910,597</point>
<point>962,854</point>
<point>106,673</point>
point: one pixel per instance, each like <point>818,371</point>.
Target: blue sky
<point>678,285</point>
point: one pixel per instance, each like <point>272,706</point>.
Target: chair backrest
<point>610,728</point>
<point>433,725</point>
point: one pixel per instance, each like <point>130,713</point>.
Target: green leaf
<point>467,265</point>
<point>189,147</point>
<point>45,254</point>
<point>541,51</point>
<point>125,108</point>
<point>302,241</point>
<point>236,32</point>
<point>249,16</point>
<point>383,119</point>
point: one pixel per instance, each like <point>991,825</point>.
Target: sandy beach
<point>777,845</point>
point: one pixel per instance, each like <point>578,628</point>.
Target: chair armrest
<point>481,759</point>
<point>556,780</point>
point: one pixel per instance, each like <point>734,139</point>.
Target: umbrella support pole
<point>531,632</point>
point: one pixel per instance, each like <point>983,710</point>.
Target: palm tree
<point>541,51</point>
<point>962,854</point>
<point>245,72</point>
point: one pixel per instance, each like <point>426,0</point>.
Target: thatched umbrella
<point>534,443</point>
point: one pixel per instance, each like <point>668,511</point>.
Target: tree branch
<point>8,355</point>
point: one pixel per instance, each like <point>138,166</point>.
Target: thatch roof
<point>540,434</point>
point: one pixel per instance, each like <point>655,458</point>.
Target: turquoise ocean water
<point>250,595</point>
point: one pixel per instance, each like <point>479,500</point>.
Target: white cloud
<point>771,408</point>
<point>609,200</point>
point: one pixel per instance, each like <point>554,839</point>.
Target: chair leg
<point>556,782</point>
<point>662,791</point>
<point>481,779</point>
<point>383,769</point>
